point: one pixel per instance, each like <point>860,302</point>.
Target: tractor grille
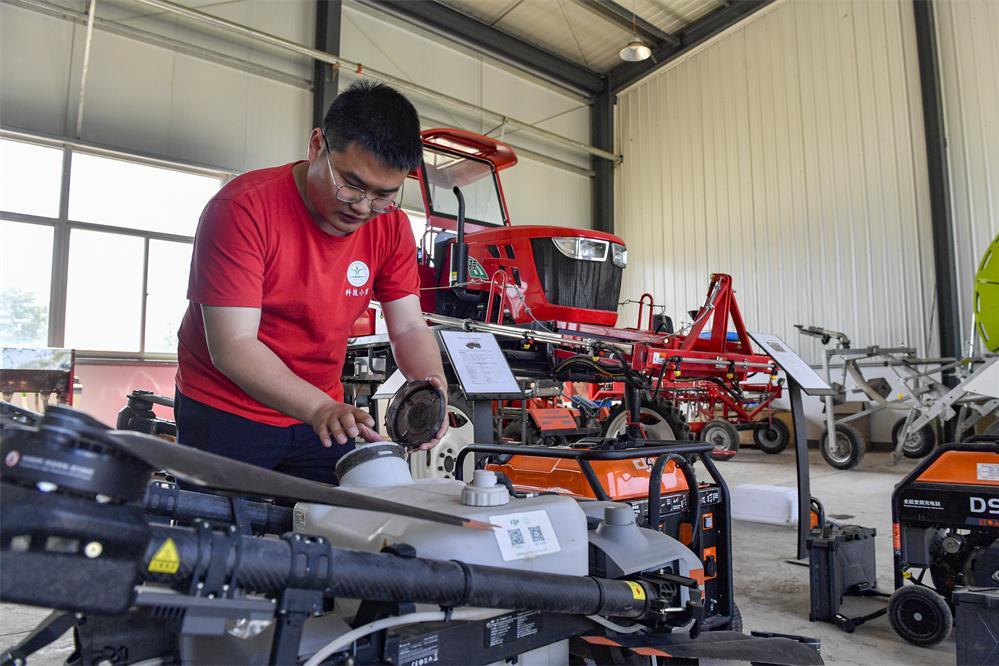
<point>573,283</point>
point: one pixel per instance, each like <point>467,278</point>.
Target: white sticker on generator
<point>988,472</point>
<point>524,535</point>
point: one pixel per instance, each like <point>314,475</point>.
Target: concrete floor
<point>772,594</point>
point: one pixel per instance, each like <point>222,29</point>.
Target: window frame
<point>63,226</point>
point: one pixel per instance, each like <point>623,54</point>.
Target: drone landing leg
<point>48,631</point>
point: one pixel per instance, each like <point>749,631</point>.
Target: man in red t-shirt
<point>285,260</point>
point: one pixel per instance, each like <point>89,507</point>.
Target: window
<point>104,296</point>
<point>30,178</point>
<point>443,171</point>
<point>137,196</point>
<point>418,221</point>
<point>114,267</point>
<point>168,268</point>
<point>25,279</point>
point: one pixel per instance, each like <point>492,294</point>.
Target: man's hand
<point>442,387</point>
<point>338,421</point>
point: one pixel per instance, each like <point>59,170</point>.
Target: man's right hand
<point>338,421</point>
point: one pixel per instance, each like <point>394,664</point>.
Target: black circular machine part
<point>72,452</point>
<point>416,414</point>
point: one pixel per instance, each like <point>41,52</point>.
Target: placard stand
<point>800,378</point>
<point>801,462</point>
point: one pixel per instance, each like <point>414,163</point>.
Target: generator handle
<point>658,448</point>
<point>694,496</point>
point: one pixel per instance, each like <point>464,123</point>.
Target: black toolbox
<point>840,561</point>
<point>977,620</point>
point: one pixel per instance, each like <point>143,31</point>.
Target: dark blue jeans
<point>294,450</point>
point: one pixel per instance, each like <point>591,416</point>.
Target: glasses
<point>352,195</point>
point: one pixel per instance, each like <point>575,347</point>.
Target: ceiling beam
<point>692,35</point>
<point>326,77</point>
<point>621,17</point>
<point>471,32</point>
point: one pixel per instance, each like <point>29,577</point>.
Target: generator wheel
<point>735,624</point>
<point>918,444</point>
<point>660,419</point>
<point>846,449</point>
<point>920,615</point>
<point>772,437</point>
<point>723,436</point>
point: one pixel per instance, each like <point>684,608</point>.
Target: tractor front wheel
<point>661,421</point>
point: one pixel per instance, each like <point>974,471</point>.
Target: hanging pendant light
<point>636,50</point>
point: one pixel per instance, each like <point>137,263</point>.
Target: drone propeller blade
<point>214,471</point>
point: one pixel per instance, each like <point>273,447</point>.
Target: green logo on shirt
<point>358,273</point>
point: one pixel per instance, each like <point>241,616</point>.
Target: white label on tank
<point>524,535</point>
<point>988,472</point>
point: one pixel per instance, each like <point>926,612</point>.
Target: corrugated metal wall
<point>789,152</point>
<point>969,72</point>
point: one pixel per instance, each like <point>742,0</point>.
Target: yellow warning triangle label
<point>166,559</point>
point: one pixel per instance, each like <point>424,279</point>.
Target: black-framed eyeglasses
<point>352,195</point>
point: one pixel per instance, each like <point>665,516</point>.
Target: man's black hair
<point>379,119</point>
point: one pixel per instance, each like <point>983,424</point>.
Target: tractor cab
<point>524,274</point>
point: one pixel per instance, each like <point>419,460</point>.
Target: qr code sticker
<point>536,535</point>
<point>516,537</point>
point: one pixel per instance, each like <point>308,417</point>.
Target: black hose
<point>693,496</point>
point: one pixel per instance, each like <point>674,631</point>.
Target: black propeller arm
<point>212,471</point>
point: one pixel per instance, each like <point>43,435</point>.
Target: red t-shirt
<point>257,246</point>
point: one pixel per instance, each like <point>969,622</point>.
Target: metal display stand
<point>801,464</point>
<point>800,378</point>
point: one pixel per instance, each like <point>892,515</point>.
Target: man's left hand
<point>441,386</point>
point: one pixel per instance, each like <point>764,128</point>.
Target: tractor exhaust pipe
<point>459,251</point>
<point>459,255</point>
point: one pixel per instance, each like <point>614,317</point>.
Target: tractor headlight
<point>619,255</point>
<point>585,249</point>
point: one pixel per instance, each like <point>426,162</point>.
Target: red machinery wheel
<point>771,436</point>
<point>723,436</point>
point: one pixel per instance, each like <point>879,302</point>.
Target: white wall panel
<point>35,56</point>
<point>969,64</point>
<point>149,99</point>
<point>789,153</point>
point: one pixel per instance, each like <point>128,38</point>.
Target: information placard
<point>480,365</point>
<point>792,364</point>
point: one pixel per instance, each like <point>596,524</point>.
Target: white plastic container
<point>773,505</point>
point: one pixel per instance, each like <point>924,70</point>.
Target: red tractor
<point>529,274</point>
